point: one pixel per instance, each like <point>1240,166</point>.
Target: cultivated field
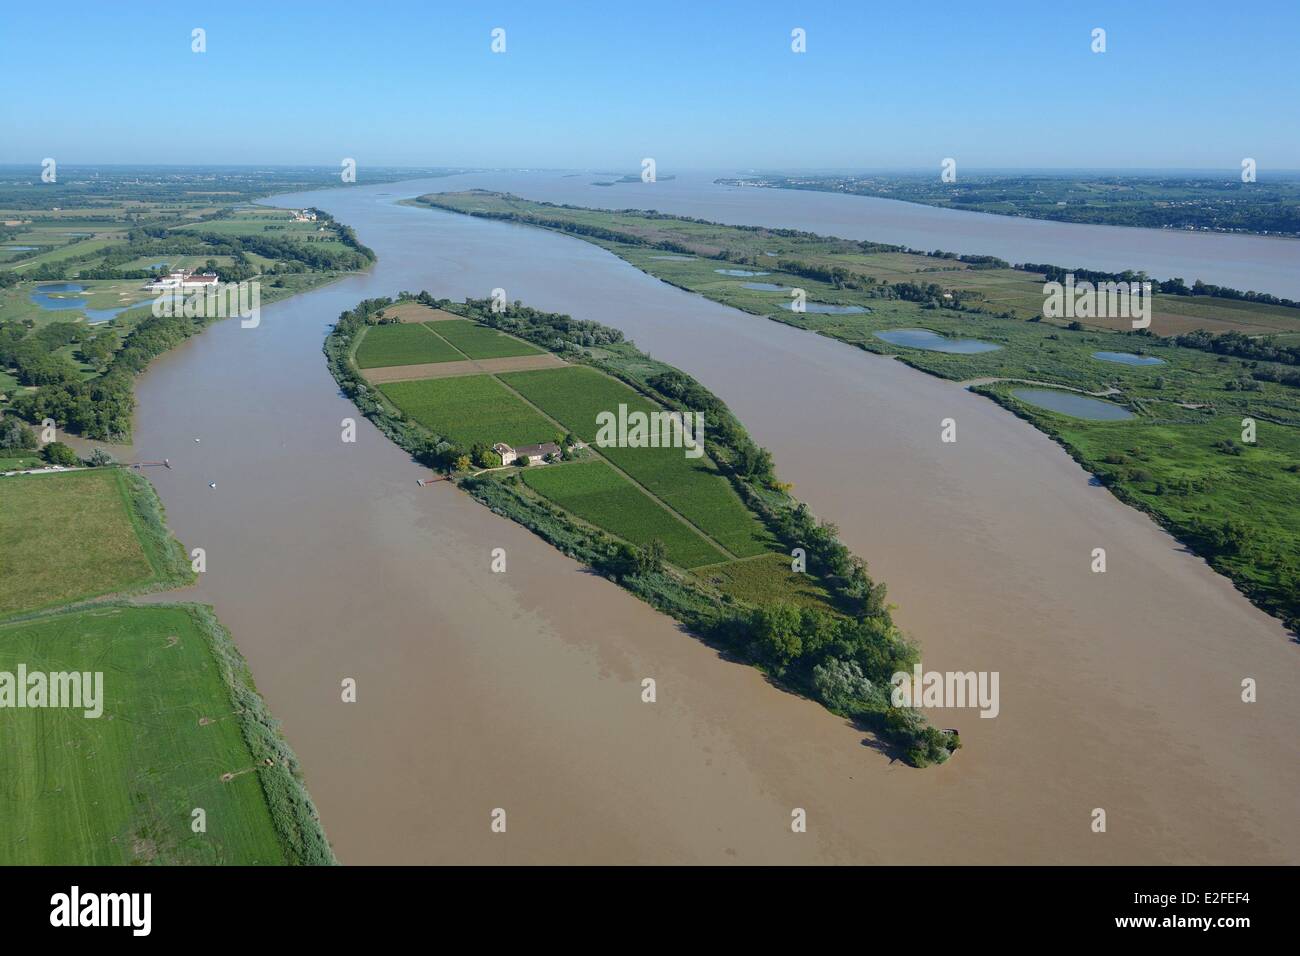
<point>575,396</point>
<point>597,494</point>
<point>480,342</point>
<point>470,410</point>
<point>516,363</point>
<point>66,537</point>
<point>121,788</point>
<point>383,345</point>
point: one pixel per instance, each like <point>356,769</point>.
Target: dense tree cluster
<point>1263,349</point>
<point>101,407</point>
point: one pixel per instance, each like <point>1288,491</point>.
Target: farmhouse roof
<point>545,448</point>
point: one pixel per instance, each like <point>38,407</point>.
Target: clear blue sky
<point>1189,84</point>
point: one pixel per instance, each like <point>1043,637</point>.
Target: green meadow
<point>121,788</point>
<point>107,239</point>
<point>182,726</point>
<point>80,534</point>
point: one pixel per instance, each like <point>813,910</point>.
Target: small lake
<point>20,248</point>
<point>765,287</point>
<point>739,272</point>
<point>933,342</point>
<point>1076,406</point>
<point>825,308</point>
<point>1128,358</point>
<point>44,296</point>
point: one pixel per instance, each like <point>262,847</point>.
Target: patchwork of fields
<point>445,340</point>
<point>179,726</point>
<point>691,486</point>
<point>697,516</point>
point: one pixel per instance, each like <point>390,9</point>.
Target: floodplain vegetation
<point>714,540</point>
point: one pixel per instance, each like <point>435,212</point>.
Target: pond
<point>739,272</point>
<point>825,308</point>
<point>1128,358</point>
<point>933,342</point>
<point>1076,406</point>
<point>45,296</point>
<point>765,287</point>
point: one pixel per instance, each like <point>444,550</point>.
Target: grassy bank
<point>182,728</point>
<point>76,535</point>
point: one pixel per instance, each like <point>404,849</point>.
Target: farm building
<point>534,453</point>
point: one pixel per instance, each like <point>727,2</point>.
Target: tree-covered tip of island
<point>166,701</point>
<point>511,405</point>
<point>1264,203</point>
<point>1211,450</point>
<point>83,259</point>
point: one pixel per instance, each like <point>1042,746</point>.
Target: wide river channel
<point>522,691</point>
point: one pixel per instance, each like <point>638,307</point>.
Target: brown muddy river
<point>521,690</point>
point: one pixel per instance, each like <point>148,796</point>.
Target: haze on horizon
<point>1015,86</point>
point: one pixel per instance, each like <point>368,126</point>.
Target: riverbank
<point>161,696</point>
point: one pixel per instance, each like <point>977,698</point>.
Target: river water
<point>521,691</point>
<point>1262,263</point>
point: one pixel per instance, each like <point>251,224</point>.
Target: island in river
<point>690,519</point>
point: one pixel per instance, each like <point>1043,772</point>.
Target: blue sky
<point>699,85</point>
